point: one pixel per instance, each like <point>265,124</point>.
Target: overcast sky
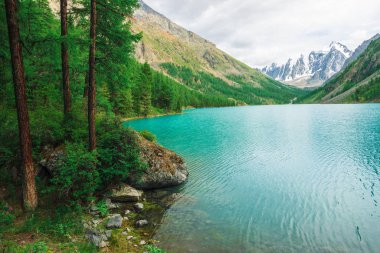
<point>259,32</point>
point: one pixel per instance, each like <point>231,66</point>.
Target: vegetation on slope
<point>244,90</point>
<point>358,82</point>
<point>198,64</point>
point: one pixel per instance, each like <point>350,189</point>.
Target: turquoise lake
<point>294,178</point>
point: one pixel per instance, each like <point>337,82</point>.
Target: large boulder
<point>125,193</point>
<point>165,168</point>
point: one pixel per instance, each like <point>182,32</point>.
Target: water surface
<point>274,179</point>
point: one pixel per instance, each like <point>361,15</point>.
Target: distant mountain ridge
<point>360,49</point>
<point>200,65</point>
<point>312,70</point>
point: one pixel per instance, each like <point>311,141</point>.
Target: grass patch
<point>148,135</point>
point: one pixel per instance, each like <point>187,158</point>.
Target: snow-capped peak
<point>341,48</point>
<point>316,67</point>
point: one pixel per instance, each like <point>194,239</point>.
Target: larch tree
<point>92,79</point>
<point>30,198</point>
<point>65,60</point>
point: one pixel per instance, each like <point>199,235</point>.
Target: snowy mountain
<point>312,70</point>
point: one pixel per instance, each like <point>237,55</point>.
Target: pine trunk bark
<point>30,198</point>
<point>65,60</point>
<point>91,78</point>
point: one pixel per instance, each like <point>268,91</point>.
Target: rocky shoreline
<point>152,116</point>
<point>132,217</point>
<point>131,212</point>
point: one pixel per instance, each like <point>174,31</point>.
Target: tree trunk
<point>91,78</point>
<point>65,60</point>
<point>29,188</point>
<point>85,90</point>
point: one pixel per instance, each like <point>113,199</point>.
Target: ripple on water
<point>274,179</point>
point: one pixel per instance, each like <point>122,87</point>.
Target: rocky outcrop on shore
<point>165,168</point>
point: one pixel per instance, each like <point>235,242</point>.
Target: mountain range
<point>311,70</point>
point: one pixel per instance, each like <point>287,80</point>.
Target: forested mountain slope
<point>358,82</point>
<point>200,65</point>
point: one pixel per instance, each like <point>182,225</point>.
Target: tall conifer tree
<point>29,187</point>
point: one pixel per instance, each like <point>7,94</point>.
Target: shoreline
<point>151,116</point>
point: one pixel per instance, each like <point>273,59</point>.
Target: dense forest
<point>66,81</point>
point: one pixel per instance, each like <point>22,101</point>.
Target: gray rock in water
<point>125,193</point>
<point>139,207</point>
<point>115,221</point>
<point>165,168</point>
<point>141,223</point>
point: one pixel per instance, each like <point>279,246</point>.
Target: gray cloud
<point>260,32</point>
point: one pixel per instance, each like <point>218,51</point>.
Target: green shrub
<point>82,173</point>
<point>154,249</point>
<point>102,208</point>
<point>6,217</point>
<point>9,137</point>
<point>38,247</point>
<point>78,177</point>
<point>46,128</point>
<point>118,152</point>
<point>148,135</point>
<point>59,223</point>
<point>74,125</point>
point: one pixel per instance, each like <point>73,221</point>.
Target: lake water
<point>274,179</point>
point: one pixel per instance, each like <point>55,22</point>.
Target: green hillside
<point>244,90</point>
<point>200,65</point>
<point>359,82</point>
